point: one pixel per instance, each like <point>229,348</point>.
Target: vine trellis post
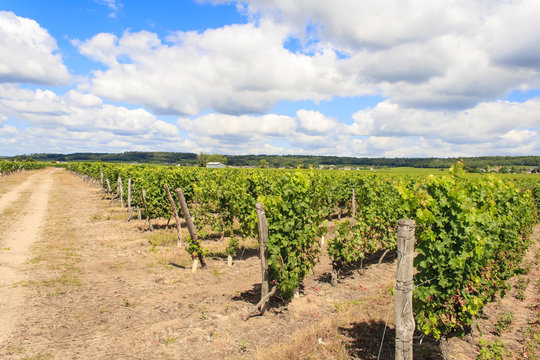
<point>403,309</point>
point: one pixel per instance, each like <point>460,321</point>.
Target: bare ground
<point>93,288</point>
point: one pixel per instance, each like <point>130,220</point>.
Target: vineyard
<point>471,232</point>
<point>8,167</point>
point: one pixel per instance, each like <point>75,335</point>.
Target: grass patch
<point>504,322</point>
<point>334,337</point>
<point>95,217</point>
<point>64,279</point>
<point>57,293</point>
<point>493,350</point>
<point>162,238</point>
<point>40,356</point>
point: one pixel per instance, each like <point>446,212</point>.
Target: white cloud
<point>62,140</point>
<point>512,36</point>
<point>234,69</point>
<point>29,53</point>
<point>315,123</point>
<point>219,125</point>
<point>308,132</point>
<point>490,128</point>
<point>484,123</point>
<point>441,54</point>
<point>114,5</point>
<point>59,123</point>
<point>352,25</point>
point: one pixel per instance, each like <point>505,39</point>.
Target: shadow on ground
<point>366,342</point>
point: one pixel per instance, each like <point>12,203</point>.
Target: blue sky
<point>385,78</point>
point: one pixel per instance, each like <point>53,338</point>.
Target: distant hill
<point>291,161</point>
<point>126,157</point>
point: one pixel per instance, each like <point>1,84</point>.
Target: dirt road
<point>19,234</point>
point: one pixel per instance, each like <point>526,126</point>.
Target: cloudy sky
<point>377,78</point>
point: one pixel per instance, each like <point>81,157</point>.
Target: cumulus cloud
<point>483,123</point>
<point>58,123</point>
<point>352,25</point>
<point>513,38</point>
<point>490,128</point>
<point>309,131</point>
<point>235,69</point>
<point>442,54</point>
<point>442,66</point>
<point>29,54</point>
<point>315,123</point>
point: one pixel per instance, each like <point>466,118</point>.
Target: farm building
<point>215,165</point>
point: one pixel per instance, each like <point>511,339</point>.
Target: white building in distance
<point>215,165</point>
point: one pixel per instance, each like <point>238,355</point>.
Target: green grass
<point>162,238</point>
<point>504,322</point>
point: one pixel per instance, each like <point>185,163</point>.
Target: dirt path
<point>13,194</point>
<point>23,232</point>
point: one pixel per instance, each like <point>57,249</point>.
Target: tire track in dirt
<point>10,197</point>
<point>17,242</point>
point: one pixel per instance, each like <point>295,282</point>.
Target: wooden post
<point>108,186</point>
<point>403,311</point>
<point>334,275</point>
<point>176,218</point>
<point>101,176</point>
<point>353,205</point>
<point>189,222</point>
<point>146,209</point>
<point>263,239</point>
<point>121,191</point>
<point>129,194</point>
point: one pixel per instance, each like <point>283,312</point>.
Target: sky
<point>363,78</point>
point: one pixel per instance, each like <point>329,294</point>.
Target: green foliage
<point>232,247</point>
<point>504,322</point>
<point>293,216</point>
<point>379,207</point>
<point>203,159</point>
<point>493,350</point>
<point>7,167</point>
<point>471,236</point>
<point>472,230</point>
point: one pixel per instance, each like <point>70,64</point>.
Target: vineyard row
<point>471,232</point>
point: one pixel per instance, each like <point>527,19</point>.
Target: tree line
<point>472,164</point>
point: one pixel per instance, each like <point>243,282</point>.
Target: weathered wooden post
<point>146,209</point>
<point>176,218</point>
<point>190,225</point>
<point>353,205</point>
<point>403,311</point>
<point>120,191</point>
<point>262,305</point>
<point>108,186</point>
<point>263,239</point>
<point>129,194</point>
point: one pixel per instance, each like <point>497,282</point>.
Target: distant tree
<point>263,164</point>
<point>203,159</point>
<point>217,158</point>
